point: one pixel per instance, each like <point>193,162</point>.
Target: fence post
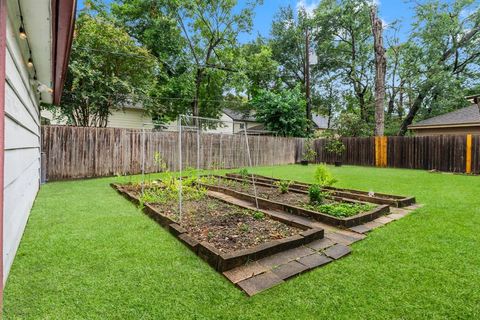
<point>381,151</point>
<point>385,145</point>
<point>468,165</point>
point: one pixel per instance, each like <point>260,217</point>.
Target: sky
<point>390,10</point>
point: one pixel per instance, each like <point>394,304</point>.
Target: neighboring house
<point>321,123</point>
<point>35,41</point>
<point>131,117</point>
<point>242,119</point>
<point>230,122</point>
<point>461,121</point>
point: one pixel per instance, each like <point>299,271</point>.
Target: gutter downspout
<point>3,48</point>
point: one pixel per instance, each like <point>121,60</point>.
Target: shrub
<point>315,194</point>
<point>309,154</point>
<point>283,185</point>
<point>323,176</point>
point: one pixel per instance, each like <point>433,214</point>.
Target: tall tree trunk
<point>400,107</point>
<point>363,105</point>
<point>307,75</point>
<point>380,71</point>
<point>391,107</point>
<point>198,83</point>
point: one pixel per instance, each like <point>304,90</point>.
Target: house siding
<point>129,118</point>
<point>446,131</point>
<point>22,148</point>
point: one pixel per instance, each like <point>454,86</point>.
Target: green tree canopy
<point>283,112</point>
<point>104,72</point>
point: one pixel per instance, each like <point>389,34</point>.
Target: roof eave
<point>446,125</point>
<point>63,22</point>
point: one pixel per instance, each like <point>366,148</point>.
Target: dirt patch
<point>269,193</point>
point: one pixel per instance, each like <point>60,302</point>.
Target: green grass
<point>87,253</point>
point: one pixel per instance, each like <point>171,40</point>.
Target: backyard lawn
<point>87,253</point>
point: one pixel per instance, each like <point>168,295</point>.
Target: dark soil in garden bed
<point>225,226</point>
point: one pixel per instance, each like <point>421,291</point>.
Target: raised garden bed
<point>294,201</point>
<point>224,234</point>
<point>379,198</point>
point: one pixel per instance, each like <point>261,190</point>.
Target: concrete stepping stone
<point>361,229</point>
<point>351,234</point>
<point>320,244</point>
<point>413,207</point>
<point>289,270</point>
<point>259,283</point>
<point>398,211</point>
<point>299,252</point>
<point>383,220</point>
<point>344,238</point>
<point>373,224</point>
<point>275,260</point>
<point>314,260</point>
<point>337,251</point>
<point>244,272</point>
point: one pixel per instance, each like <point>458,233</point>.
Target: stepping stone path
<point>268,272</point>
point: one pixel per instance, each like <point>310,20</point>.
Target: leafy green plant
<point>244,227</point>
<point>258,215</point>
<point>316,194</point>
<point>243,173</point>
<point>323,176</point>
<point>334,144</point>
<point>309,154</point>
<point>342,209</point>
<point>159,162</point>
<point>283,185</point>
<point>207,180</point>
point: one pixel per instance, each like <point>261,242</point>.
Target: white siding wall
<point>22,148</point>
<point>129,118</point>
<point>223,127</point>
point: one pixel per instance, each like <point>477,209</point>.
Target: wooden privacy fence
<point>452,153</point>
<point>75,152</point>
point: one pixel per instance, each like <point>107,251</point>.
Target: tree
<point>259,69</point>
<point>344,45</point>
<point>103,73</point>
<point>282,112</point>
<point>153,24</point>
<point>349,124</point>
<point>211,29</point>
<point>380,70</point>
<point>444,47</point>
<point>288,46</point>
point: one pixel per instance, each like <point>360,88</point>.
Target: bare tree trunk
<point>413,110</point>
<point>307,75</point>
<point>380,71</point>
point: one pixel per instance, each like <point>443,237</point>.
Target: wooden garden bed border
<point>226,261</point>
<point>395,200</point>
<point>318,216</point>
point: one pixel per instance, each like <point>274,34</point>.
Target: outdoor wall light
<point>22,33</point>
